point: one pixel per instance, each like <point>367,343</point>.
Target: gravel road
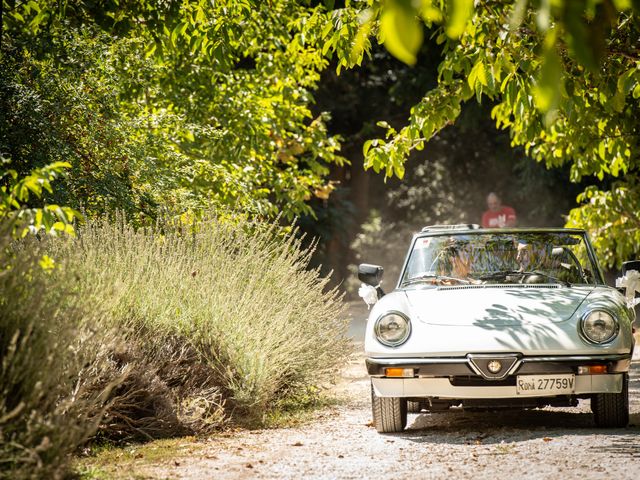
<point>341,443</point>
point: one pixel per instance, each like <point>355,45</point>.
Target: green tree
<point>564,77</point>
<point>168,106</point>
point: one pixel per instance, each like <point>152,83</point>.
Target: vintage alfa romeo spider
<point>517,318</point>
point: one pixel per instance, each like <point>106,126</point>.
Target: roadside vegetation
<point>52,348</point>
<point>133,314</point>
<point>171,330</point>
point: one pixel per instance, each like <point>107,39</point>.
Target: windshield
<point>498,258</point>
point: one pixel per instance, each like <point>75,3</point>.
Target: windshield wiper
<point>504,273</point>
<point>430,276</point>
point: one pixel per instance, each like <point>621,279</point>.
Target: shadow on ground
<point>461,427</point>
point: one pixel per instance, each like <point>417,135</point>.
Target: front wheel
<point>611,410</point>
<point>389,413</point>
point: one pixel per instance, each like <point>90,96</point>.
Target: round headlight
<point>392,329</point>
<point>599,326</point>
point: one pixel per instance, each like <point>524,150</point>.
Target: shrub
<point>238,296</point>
<point>49,349</point>
<point>158,332</point>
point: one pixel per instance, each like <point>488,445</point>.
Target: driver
<point>523,256</point>
<point>533,258</point>
<point>458,261</point>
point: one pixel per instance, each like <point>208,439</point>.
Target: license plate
<point>545,384</point>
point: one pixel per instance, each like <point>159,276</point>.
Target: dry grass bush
<point>157,332</point>
<point>47,349</point>
<point>238,296</point>
<point>164,391</point>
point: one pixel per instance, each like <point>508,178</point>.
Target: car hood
<point>495,305</point>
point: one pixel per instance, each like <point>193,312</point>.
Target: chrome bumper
<point>443,389</point>
<point>444,367</point>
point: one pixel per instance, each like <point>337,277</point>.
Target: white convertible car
<point>487,319</point>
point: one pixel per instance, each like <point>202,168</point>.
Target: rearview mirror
<point>370,274</point>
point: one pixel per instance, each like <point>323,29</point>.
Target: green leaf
<point>58,166</point>
<point>401,31</point>
<point>622,4</point>
<point>328,28</point>
<point>34,25</point>
<point>328,44</point>
<point>625,81</point>
<point>34,5</point>
<point>617,101</point>
<point>460,12</point>
<point>548,88</point>
<point>430,13</point>
<point>478,74</point>
<point>602,149</point>
<point>517,14</point>
<point>178,30</point>
<point>365,147</point>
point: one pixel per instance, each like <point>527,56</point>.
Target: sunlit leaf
<point>431,13</point>
<point>602,149</point>
<point>478,74</point>
<point>399,170</point>
<point>622,4</point>
<point>460,12</point>
<point>517,14</point>
<point>401,31</point>
<point>548,88</point>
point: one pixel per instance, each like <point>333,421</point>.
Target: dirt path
<point>341,443</point>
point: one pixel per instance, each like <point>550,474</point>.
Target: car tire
<point>611,410</point>
<point>389,413</point>
<point>414,407</point>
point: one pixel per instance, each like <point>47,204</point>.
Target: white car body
<point>533,331</point>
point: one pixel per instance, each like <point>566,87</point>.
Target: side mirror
<point>370,274</point>
<point>630,265</point>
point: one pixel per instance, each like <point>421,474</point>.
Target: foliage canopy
<point>192,104</point>
<point>165,106</point>
<point>563,76</point>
